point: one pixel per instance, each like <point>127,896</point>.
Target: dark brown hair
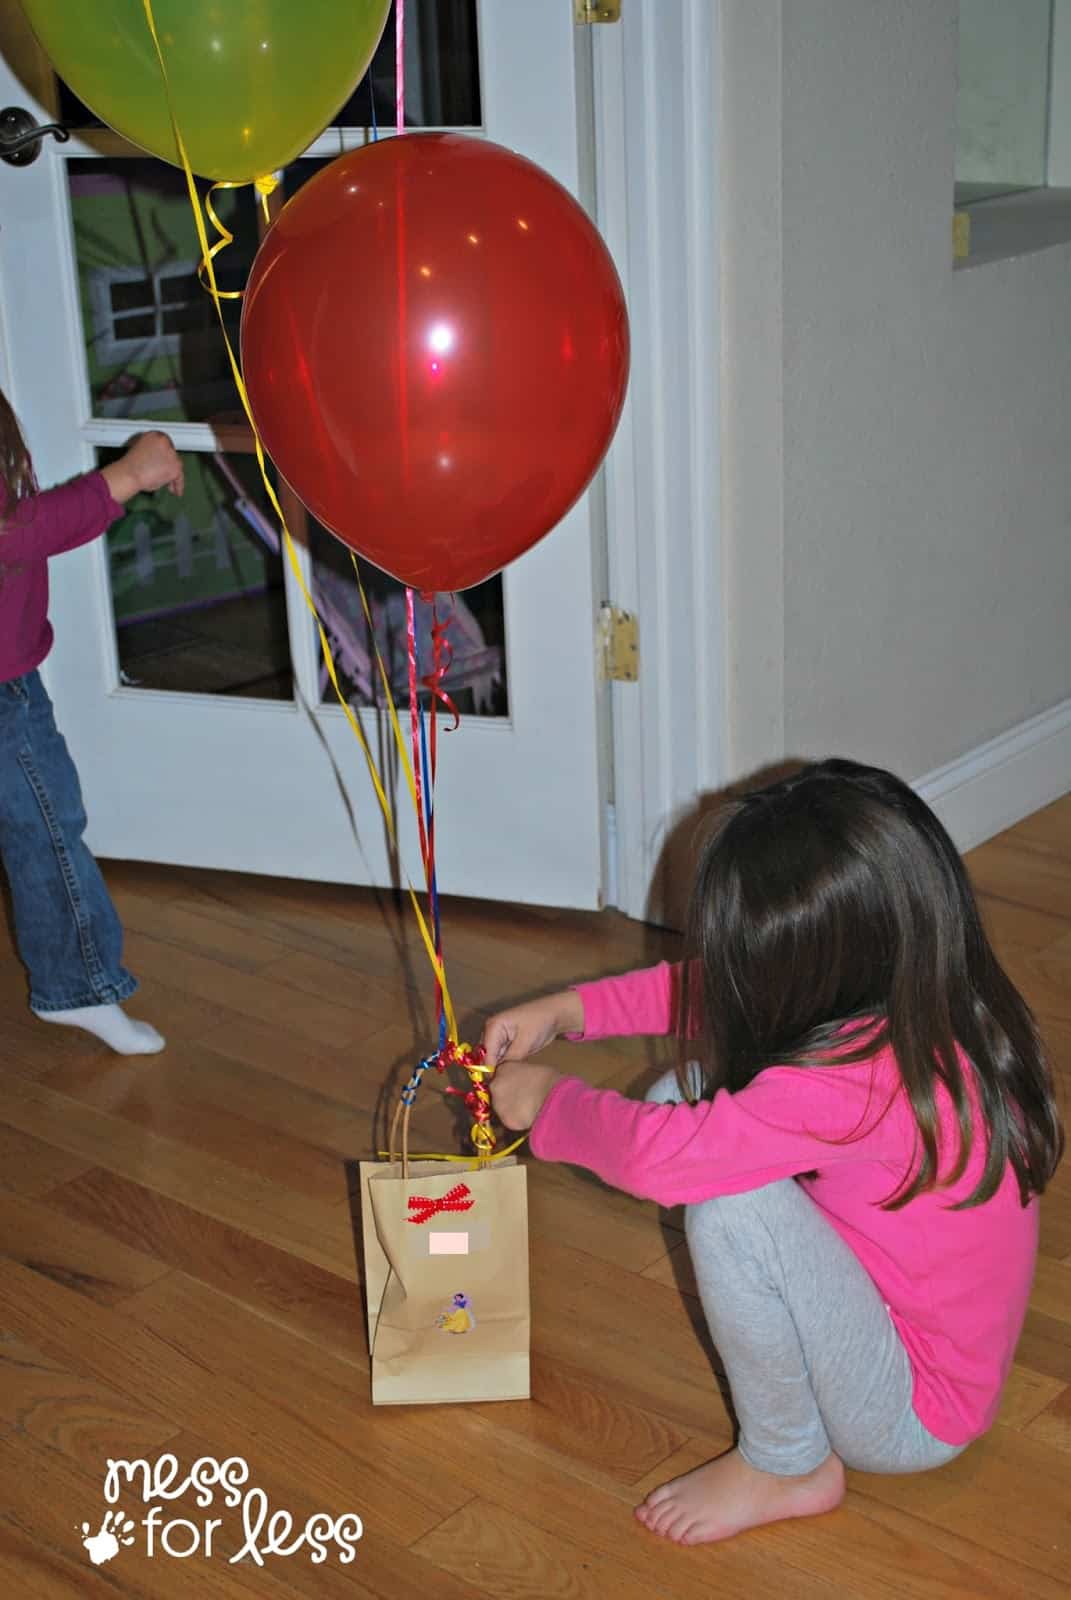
<point>832,908</point>
<point>16,469</point>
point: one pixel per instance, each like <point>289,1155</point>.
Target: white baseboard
<point>1004,780</point>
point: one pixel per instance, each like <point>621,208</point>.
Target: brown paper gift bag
<point>446,1276</point>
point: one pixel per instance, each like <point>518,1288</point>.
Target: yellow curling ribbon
<point>264,187</point>
<point>471,1161</point>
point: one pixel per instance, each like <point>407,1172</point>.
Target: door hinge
<point>588,11</point>
<point>619,645</point>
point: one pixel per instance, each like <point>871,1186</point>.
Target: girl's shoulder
<point>841,1097</point>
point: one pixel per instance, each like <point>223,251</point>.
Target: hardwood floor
<point>177,1274</point>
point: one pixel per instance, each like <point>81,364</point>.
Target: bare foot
<point>728,1495</point>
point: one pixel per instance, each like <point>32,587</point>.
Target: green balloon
<point>253,82</point>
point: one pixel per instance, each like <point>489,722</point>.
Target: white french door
<point>186,670</point>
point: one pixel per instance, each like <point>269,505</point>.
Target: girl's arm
<point>645,1002</point>
<point>789,1120</point>
<point>639,1002</point>
<point>54,520</point>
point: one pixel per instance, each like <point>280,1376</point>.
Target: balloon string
<point>414,726</point>
<point>399,66</point>
<point>329,660</point>
<point>424,782</point>
<point>433,885</point>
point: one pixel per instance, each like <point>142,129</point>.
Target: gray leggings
<point>811,1354</point>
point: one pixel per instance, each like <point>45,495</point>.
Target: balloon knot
<point>266,185</point>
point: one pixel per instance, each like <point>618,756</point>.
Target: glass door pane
<point>152,339</point>
<point>474,638</point>
<point>197,585</point>
<point>442,74</point>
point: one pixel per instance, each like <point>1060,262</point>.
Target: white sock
<point>110,1023</point>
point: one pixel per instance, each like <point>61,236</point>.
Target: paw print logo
<point>115,1530</point>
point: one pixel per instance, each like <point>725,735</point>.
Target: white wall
<point>897,498</point>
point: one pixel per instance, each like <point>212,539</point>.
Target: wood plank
<point>80,1254</point>
<point>86,1420</point>
<point>481,1542</point>
<point>321,1305</point>
<point>117,1351</point>
<point>35,1573</point>
<point>315,1232</point>
<point>196,930</point>
<point>30,1166</point>
<point>49,1501</point>
<point>1007,1494</point>
<point>1007,870</point>
<point>266,994</point>
<point>218,1108</point>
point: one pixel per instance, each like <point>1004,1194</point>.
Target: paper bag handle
<point>401,1116</point>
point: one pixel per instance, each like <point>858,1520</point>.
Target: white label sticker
<point>448,1244</point>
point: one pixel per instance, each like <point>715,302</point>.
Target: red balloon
<point>435,345</point>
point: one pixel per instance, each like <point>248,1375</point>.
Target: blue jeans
<point>66,928</point>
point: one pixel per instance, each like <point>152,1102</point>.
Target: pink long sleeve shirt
<point>40,526</point>
<point>955,1283</point>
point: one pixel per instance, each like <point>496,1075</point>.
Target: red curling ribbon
<point>459,1198</point>
<point>442,657</point>
<point>477,1098</point>
<point>476,1101</point>
<point>459,1055</point>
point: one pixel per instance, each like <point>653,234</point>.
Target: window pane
<point>1003,102</point>
<point>197,585</point>
<point>442,71</point>
<point>136,247</point>
<point>475,634</point>
<point>135,292</point>
<point>442,74</point>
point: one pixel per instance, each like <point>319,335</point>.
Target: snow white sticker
<point>458,1318</point>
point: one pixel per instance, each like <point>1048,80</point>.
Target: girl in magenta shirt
<point>66,928</point>
<point>859,1130</point>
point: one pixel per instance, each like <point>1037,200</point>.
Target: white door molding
<point>657,155</point>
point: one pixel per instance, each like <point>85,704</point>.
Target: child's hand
<point>518,1090</point>
<point>151,463</point>
<point>523,1030</point>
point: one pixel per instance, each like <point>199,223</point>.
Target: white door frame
<point>656,88</point>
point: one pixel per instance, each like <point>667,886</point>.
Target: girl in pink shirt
<point>66,928</point>
<point>859,1130</point>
